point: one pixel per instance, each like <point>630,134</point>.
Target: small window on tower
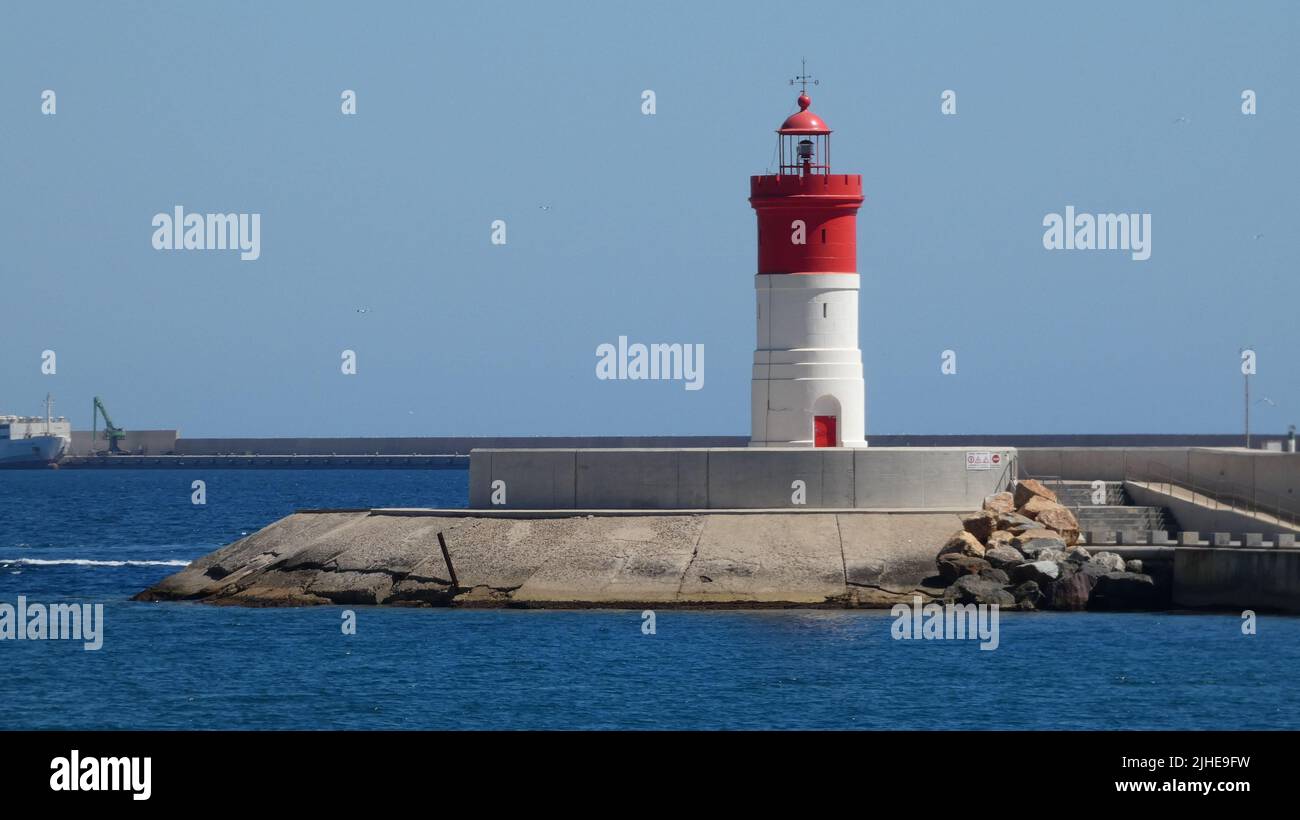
<point>823,236</point>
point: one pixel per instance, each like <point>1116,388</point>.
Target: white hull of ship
<point>37,451</point>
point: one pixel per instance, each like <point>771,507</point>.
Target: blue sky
<point>473,112</point>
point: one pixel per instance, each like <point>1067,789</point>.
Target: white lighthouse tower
<point>807,388</point>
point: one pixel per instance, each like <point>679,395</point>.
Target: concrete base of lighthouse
<point>807,388</point>
<point>738,478</point>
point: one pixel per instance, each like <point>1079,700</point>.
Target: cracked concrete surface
<point>687,559</point>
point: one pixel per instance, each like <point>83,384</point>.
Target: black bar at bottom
<point>321,772</point>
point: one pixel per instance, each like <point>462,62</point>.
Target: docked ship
<point>34,441</point>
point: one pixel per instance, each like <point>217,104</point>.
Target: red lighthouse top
<point>807,216</point>
<point>805,122</point>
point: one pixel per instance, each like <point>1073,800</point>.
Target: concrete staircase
<point>1074,494</point>
<point>1117,515</point>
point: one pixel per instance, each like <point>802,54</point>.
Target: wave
<point>86,562</point>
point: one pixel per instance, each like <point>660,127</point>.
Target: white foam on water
<point>86,562</point>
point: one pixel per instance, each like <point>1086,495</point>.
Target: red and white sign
<point>983,460</point>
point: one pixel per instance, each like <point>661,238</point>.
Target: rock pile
<point>1022,551</point>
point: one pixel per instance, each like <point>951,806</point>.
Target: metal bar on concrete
<point>446,556</point>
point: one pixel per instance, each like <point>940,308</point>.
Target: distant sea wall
<point>138,442</point>
<point>462,445</point>
<point>429,445</point>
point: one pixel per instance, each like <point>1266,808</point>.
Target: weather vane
<point>804,77</point>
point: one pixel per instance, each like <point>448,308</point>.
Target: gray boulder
<point>954,565</point>
<point>1133,565</point>
<point>1000,538</point>
<point>1033,542</point>
<point>1042,573</point>
<point>1070,592</point>
<point>970,589</point>
<point>1004,557</point>
<point>1028,595</point>
<point>1077,554</point>
<point>996,575</point>
<point>1015,523</point>
<point>1109,560</point>
<point>1091,569</point>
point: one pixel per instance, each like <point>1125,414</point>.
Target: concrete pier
<point>729,527</point>
<point>572,559</point>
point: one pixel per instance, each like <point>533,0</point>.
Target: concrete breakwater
<point>283,462</point>
<point>847,558</point>
<point>705,559</point>
<point>1022,550</point>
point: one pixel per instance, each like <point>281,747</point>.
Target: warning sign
<point>983,460</point>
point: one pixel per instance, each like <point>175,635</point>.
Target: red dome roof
<point>805,122</point>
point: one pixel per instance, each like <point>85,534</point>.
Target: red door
<point>824,431</point>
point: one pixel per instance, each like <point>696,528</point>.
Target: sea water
<point>100,536</point>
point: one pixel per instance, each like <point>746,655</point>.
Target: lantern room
<point>804,142</point>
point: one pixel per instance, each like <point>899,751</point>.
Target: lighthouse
<point>807,388</point>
